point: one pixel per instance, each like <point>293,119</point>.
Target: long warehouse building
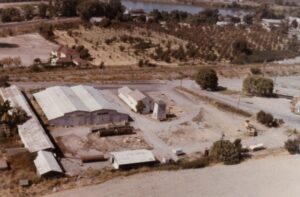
<point>31,132</point>
<point>78,105</point>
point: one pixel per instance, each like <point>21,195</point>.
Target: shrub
<point>292,146</point>
<point>255,71</point>
<point>227,152</point>
<point>258,86</point>
<point>4,81</point>
<point>47,31</point>
<point>140,107</point>
<point>83,52</point>
<point>198,163</point>
<point>207,79</point>
<point>11,15</point>
<point>266,119</point>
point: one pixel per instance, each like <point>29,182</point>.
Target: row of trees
<point>64,8</point>
<point>253,85</point>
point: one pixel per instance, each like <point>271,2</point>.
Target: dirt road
<point>272,176</point>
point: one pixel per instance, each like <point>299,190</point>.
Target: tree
<point>266,119</point>
<point>114,8</point>
<point>140,107</point>
<point>83,52</point>
<point>47,31</point>
<point>292,146</point>
<point>241,47</point>
<point>90,8</point>
<point>227,152</point>
<point>18,116</point>
<point>207,79</point>
<point>258,86</point>
<point>10,15</point>
<point>248,19</point>
<point>66,8</point>
<point>43,10</point>
<point>4,108</point>
<point>28,12</point>
<point>4,81</point>
<point>294,24</point>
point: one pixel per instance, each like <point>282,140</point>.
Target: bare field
<point>27,47</point>
<point>117,47</point>
<point>271,176</point>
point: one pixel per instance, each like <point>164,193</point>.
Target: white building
<point>78,105</point>
<point>160,110</point>
<point>31,132</point>
<point>269,23</point>
<point>47,165</point>
<point>133,97</point>
<point>132,158</point>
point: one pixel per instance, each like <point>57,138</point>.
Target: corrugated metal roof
<point>92,98</point>
<point>60,100</point>
<point>31,132</point>
<point>136,95</point>
<point>124,90</point>
<point>46,162</point>
<point>133,157</point>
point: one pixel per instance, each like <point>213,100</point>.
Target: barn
<point>133,97</point>
<point>77,106</point>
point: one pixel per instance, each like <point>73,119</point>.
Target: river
<point>193,9</point>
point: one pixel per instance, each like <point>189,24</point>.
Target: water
<point>193,9</point>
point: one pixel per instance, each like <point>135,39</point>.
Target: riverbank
<point>203,3</point>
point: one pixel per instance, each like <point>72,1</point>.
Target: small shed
<point>160,110</point>
<point>132,158</point>
<point>47,165</point>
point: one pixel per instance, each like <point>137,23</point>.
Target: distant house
<point>65,56</point>
<point>47,165</point>
<point>136,14</point>
<point>269,23</point>
<point>134,98</point>
<point>132,158</point>
<point>96,20</point>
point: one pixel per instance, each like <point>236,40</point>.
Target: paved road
<point>36,22</point>
<point>273,176</point>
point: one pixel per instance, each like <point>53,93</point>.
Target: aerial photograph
<point>149,98</point>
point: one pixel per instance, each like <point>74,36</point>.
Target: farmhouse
<point>31,132</point>
<point>132,158</point>
<point>64,56</point>
<point>47,165</point>
<point>78,105</point>
<point>134,98</point>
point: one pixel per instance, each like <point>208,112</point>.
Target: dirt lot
<point>271,176</point>
<point>77,141</point>
<point>27,47</point>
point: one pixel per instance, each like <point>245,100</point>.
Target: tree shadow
<point>8,45</point>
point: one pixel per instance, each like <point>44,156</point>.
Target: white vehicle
<point>256,147</point>
<point>178,151</point>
